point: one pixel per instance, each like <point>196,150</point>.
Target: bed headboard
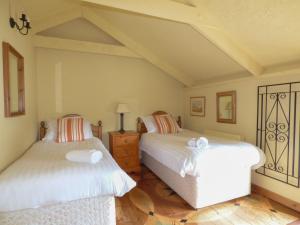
<point>141,128</point>
<point>96,129</point>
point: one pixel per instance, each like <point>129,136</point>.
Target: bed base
<point>91,211</point>
<point>220,185</point>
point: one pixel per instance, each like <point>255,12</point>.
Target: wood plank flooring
<point>154,203</point>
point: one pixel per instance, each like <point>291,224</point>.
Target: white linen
<point>150,124</point>
<point>43,176</point>
<point>214,186</point>
<point>84,156</point>
<point>51,132</point>
<point>171,151</point>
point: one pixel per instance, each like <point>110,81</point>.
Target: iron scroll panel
<point>278,131</point>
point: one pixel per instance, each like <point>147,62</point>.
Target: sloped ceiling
<point>177,43</point>
<point>39,9</point>
<point>268,31</point>
<point>81,30</point>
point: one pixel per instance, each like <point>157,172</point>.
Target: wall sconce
<point>25,23</point>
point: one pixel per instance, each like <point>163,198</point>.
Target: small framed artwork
<point>197,106</point>
<point>226,107</point>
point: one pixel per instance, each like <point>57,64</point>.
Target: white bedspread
<point>43,176</point>
<point>172,151</point>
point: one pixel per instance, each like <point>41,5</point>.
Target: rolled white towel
<point>85,156</point>
<point>202,143</point>
<point>192,142</point>
<point>198,143</point>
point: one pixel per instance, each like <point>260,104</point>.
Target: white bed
<point>43,188</point>
<point>220,173</point>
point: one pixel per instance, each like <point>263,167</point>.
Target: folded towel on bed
<point>192,142</point>
<point>199,143</point>
<point>85,156</point>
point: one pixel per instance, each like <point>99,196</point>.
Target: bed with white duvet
<point>172,151</point>
<point>45,180</point>
<point>202,177</point>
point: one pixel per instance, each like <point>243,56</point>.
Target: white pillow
<point>87,130</point>
<point>150,124</point>
<point>51,132</point>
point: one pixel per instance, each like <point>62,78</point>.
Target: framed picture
<point>226,107</point>
<point>197,106</point>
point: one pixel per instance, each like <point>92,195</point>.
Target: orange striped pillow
<point>166,124</point>
<point>70,129</point>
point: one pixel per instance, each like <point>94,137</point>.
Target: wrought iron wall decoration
<point>278,131</point>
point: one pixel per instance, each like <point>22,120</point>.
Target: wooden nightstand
<point>125,150</point>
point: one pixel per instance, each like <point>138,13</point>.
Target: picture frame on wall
<point>197,106</point>
<point>226,107</point>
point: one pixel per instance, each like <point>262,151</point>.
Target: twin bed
<point>201,177</point>
<point>44,188</point>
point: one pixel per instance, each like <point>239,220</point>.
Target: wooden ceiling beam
<point>93,17</point>
<point>282,69</point>
<point>163,9</point>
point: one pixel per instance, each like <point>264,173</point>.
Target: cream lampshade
<point>122,108</point>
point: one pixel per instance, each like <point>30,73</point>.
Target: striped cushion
<point>166,124</point>
<point>70,129</point>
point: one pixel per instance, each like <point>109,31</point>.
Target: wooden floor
<point>154,203</point>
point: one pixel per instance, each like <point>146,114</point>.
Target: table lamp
<point>121,109</point>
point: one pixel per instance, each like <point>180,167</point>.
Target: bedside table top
<point>129,132</point>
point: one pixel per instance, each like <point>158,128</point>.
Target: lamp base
<point>122,131</point>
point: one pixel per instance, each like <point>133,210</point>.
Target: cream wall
<point>246,119</point>
<point>92,85</point>
<point>18,133</point>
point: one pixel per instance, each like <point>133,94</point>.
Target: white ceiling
<point>82,30</point>
<point>269,30</point>
<point>176,43</point>
<point>40,9</point>
<point>266,30</point>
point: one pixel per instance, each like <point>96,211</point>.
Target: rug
<point>154,203</point>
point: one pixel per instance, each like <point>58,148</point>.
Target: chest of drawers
<point>124,148</point>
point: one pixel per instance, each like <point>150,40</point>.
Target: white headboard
<point>216,133</point>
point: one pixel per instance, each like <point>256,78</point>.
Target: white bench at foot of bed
<point>211,188</point>
<point>99,210</point>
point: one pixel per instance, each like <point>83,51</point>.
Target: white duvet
<point>172,151</point>
<point>43,176</point>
